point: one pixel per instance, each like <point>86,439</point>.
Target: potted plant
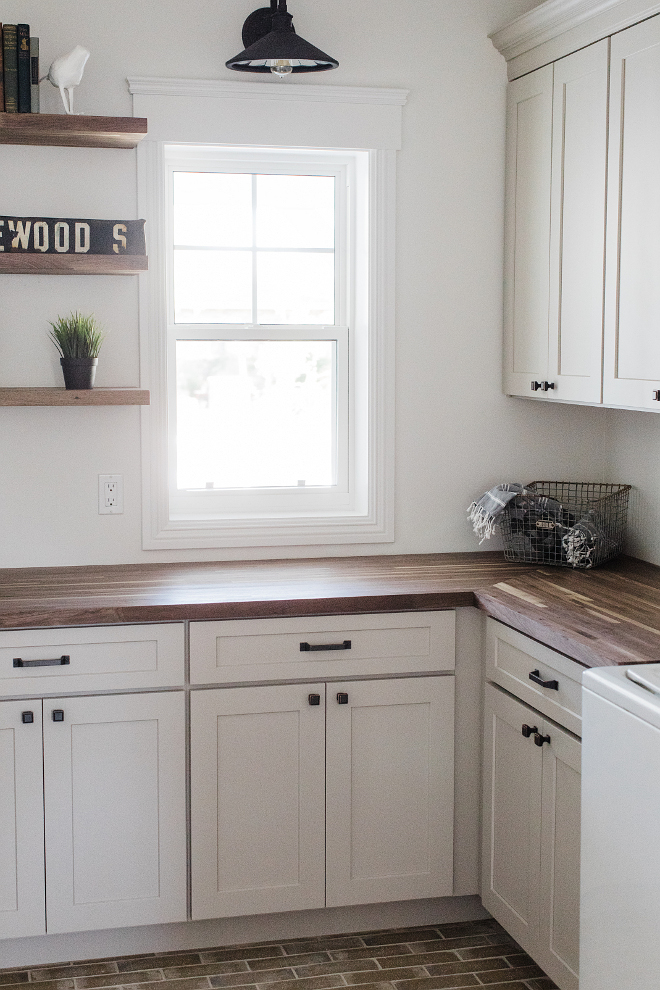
<point>78,338</point>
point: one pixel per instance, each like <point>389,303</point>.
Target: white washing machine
<point>620,852</point>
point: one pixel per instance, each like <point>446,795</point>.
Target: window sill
<point>322,530</point>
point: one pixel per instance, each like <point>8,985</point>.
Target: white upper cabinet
<point>555,229</point>
<point>632,309</point>
<point>527,231</point>
<point>582,244</point>
<point>577,230</point>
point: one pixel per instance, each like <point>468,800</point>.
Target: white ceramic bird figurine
<point>66,72</point>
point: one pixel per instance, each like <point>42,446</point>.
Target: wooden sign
<point>51,235</point>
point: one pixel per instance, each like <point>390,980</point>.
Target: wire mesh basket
<point>566,523</point>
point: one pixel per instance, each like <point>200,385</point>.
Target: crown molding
<point>556,17</point>
<point>217,88</point>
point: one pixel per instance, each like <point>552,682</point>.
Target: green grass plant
<point>77,336</point>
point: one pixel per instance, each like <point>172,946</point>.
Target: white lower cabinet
<point>22,884</point>
<point>114,786</point>
<point>390,790</point>
<point>331,792</point>
<point>257,799</point>
<point>321,794</point>
<point>531,832</point>
<point>108,780</point>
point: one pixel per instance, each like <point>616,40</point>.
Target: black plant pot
<point>79,372</point>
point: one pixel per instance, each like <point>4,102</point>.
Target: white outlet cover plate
<point>111,494</point>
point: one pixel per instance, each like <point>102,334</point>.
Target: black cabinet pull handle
<point>656,395</point>
<point>539,739</point>
<point>307,648</point>
<point>535,676</point>
<point>27,717</point>
<point>528,730</point>
<point>536,386</point>
<point>342,698</point>
<point>58,715</point>
<point>314,699</point>
<point>57,662</point>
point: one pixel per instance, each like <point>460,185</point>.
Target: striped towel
<point>484,514</point>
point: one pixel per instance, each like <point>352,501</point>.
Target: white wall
<point>456,434</point>
<point>632,456</point>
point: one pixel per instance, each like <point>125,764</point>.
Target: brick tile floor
<point>442,957</point>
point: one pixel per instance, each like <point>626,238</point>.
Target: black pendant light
<point>272,45</point>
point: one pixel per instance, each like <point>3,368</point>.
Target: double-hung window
<point>266,319</point>
<point>260,304</point>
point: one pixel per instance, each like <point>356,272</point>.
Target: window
<point>259,288</point>
<point>266,319</point>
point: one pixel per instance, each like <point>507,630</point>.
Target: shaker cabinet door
<point>390,790</point>
<point>632,300</point>
<point>22,887</point>
<point>577,242</point>
<point>531,833</point>
<point>258,800</point>
<point>527,232</point>
<point>559,945</point>
<point>511,816</point>
<point>114,785</point>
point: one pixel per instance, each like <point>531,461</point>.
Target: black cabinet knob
<point>342,698</point>
<point>528,730</point>
<point>539,739</point>
<point>58,715</point>
<point>27,717</point>
<point>656,395</point>
<point>314,699</point>
<point>543,386</point>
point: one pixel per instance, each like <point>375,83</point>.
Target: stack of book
<point>19,70</point>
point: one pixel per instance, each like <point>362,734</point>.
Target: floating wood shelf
<point>71,131</point>
<point>74,397</point>
<point>25,263</point>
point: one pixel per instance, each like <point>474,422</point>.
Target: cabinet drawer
<point>510,659</point>
<point>331,647</point>
<point>100,658</point>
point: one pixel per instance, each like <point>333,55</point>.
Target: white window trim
<point>199,112</point>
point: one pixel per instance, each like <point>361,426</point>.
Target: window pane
<point>212,286</point>
<point>212,209</point>
<point>295,287</point>
<point>255,414</point>
<point>296,211</point>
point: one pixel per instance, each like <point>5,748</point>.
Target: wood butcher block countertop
<point>610,615</point>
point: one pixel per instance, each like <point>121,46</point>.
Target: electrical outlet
<point>111,494</point>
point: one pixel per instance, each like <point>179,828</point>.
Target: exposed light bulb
<point>280,67</point>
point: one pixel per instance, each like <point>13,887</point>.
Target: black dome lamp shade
<point>272,45</point>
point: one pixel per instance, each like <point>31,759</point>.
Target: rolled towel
<point>586,542</point>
